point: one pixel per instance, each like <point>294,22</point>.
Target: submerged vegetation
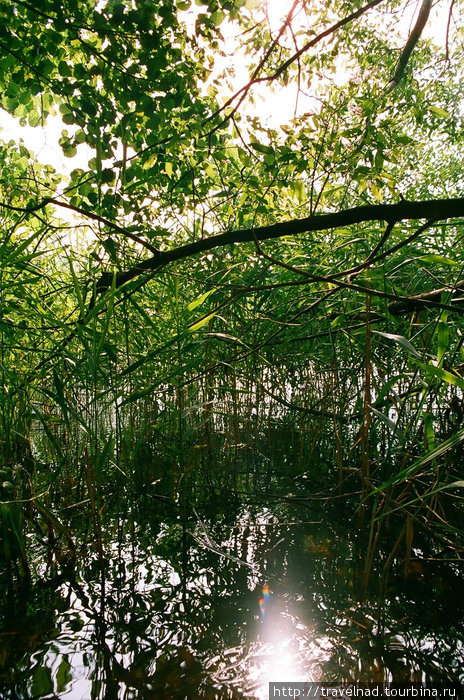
<point>223,316</point>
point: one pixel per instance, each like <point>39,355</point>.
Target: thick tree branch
<point>432,210</point>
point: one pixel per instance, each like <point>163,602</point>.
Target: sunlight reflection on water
<point>278,658</point>
<point>284,649</point>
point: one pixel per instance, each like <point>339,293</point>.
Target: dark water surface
<point>214,600</point>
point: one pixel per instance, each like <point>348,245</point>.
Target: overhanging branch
<point>433,210</point>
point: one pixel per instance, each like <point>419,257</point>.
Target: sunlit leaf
<point>439,112</point>
<point>202,322</point>
<point>439,259</point>
<point>199,300</point>
<point>442,374</point>
<point>400,340</point>
<point>262,148</point>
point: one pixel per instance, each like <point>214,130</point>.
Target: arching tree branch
<point>432,210</point>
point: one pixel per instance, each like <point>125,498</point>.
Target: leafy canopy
<point>189,174</point>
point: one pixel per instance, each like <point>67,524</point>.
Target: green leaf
<point>400,340</point>
<point>202,322</point>
<point>64,70</point>
<point>387,387</point>
<point>59,394</point>
<point>262,148</point>
<point>218,17</point>
<point>13,257</point>
<point>430,456</point>
<point>439,112</point>
<point>438,451</point>
<point>443,374</point>
<point>439,259</point>
<point>225,336</point>
<point>200,300</point>
<point>69,151</point>
<point>429,431</point>
<point>111,248</point>
<point>42,684</point>
<point>385,419</point>
<point>377,192</point>
<point>103,455</point>
<point>34,118</point>
<point>140,394</point>
<point>443,340</point>
<point>63,675</point>
<point>108,176</point>
<point>53,441</point>
<point>79,136</point>
<point>299,190</point>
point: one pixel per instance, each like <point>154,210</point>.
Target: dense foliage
<point>211,274</point>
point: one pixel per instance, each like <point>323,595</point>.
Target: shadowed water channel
<point>216,597</point>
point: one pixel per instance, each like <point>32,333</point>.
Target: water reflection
<point>217,605</point>
<point>284,650</point>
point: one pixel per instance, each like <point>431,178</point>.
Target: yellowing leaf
<point>299,190</point>
<point>202,322</point>
<point>199,300</point>
<point>439,112</point>
<point>376,192</point>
